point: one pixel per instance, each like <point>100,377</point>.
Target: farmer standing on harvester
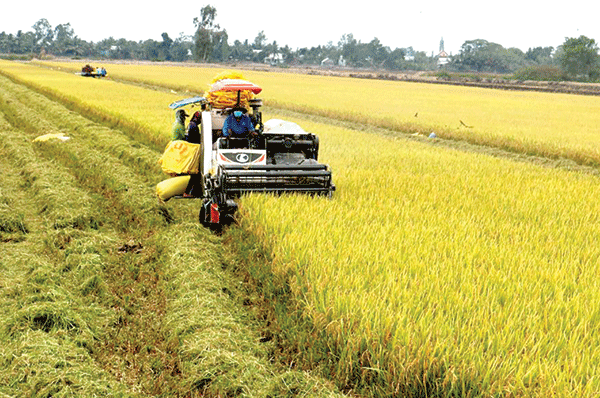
<point>178,130</point>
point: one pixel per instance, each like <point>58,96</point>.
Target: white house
<point>443,58</point>
<point>274,58</point>
<point>327,63</point>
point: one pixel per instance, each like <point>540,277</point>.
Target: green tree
<point>151,50</point>
<point>25,42</point>
<point>395,60</point>
<point>220,48</point>
<point>43,35</point>
<point>64,40</point>
<point>377,53</point>
<point>484,56</point>
<point>540,55</point>
<point>165,47</point>
<point>259,47</point>
<point>205,32</point>
<point>260,41</point>
<point>287,53</point>
<point>8,43</point>
<point>579,57</point>
<point>349,47</point>
<point>124,49</point>
<point>181,48</point>
<point>105,47</point>
<point>241,51</point>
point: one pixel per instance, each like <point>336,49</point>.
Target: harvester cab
<point>278,158</point>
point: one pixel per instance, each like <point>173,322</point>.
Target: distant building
<point>274,59</point>
<point>442,58</point>
<point>327,63</point>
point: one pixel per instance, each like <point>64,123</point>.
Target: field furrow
<point>50,314</point>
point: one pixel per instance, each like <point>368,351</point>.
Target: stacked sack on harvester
<point>181,159</point>
<point>227,99</point>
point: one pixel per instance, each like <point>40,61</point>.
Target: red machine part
<point>214,213</point>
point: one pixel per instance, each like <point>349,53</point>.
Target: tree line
<point>575,59</point>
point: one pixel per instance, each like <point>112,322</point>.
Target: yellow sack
<point>180,157</point>
<point>228,99</point>
<point>173,186</point>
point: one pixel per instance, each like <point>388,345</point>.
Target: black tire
<point>202,217</point>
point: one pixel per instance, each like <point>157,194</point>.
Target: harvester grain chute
<point>279,158</point>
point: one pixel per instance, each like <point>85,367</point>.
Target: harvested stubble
<point>50,317</point>
<point>56,193</point>
<point>84,314</point>
<point>11,220</point>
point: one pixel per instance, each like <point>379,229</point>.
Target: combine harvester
<point>90,71</point>
<point>279,158</point>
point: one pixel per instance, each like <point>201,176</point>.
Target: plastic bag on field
<point>180,157</point>
<point>57,136</point>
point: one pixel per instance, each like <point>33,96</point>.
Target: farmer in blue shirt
<point>238,124</point>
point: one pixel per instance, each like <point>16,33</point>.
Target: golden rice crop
<point>181,78</point>
<point>530,122</point>
<point>556,125</point>
<point>479,269</point>
<point>127,105</point>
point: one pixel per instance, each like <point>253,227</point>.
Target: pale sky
<point>309,23</point>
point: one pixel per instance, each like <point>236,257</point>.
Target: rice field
<point>524,122</point>
<point>432,272</point>
<point>475,274</point>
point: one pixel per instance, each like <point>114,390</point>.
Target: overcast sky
<point>308,23</point>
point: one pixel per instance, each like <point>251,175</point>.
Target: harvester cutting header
<point>237,153</point>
